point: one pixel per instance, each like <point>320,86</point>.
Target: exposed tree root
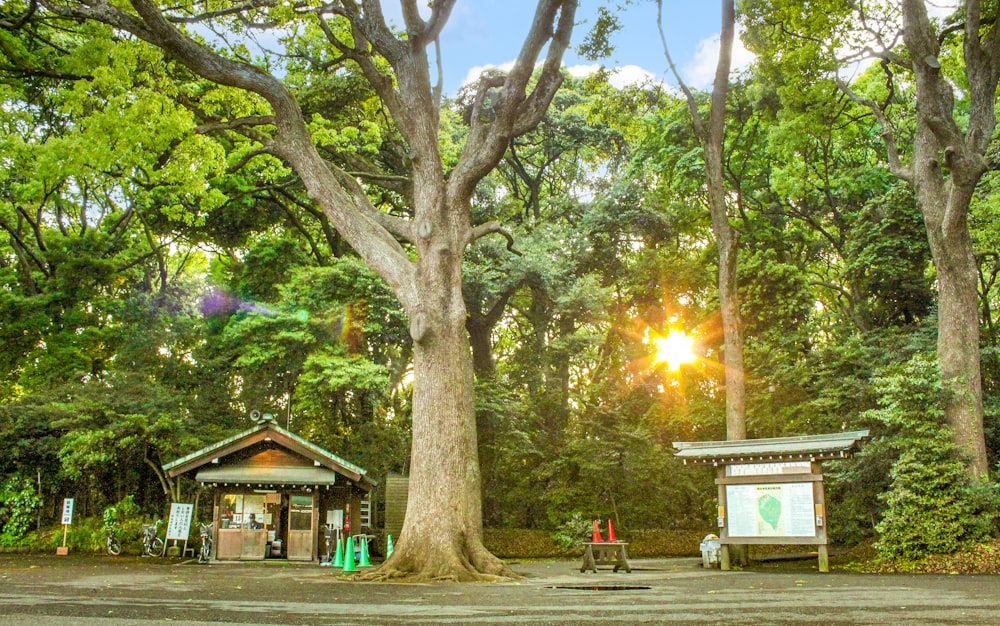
<point>393,575</point>
<point>476,566</point>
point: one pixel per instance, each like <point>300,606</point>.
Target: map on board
<point>769,510</point>
<point>773,510</point>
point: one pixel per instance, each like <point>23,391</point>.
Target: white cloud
<point>476,71</point>
<point>700,72</point>
<point>941,9</point>
<point>628,75</point>
<point>618,77</point>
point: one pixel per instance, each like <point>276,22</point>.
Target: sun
<point>674,349</point>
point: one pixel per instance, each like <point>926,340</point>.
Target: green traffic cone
<point>364,562</point>
<point>349,556</point>
<point>338,555</point>
<point>388,546</point>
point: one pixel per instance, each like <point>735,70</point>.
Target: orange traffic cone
<point>611,532</point>
<point>597,532</point>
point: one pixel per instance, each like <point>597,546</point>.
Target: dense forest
<point>167,266</point>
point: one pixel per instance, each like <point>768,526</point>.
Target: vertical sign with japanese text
<point>179,524</point>
<point>67,516</point>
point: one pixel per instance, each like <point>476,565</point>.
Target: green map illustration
<point>769,509</point>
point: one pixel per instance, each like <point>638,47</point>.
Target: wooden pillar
<point>819,497</point>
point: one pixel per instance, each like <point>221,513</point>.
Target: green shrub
<point>573,531</point>
<point>18,502</point>
<point>932,506</point>
<point>522,543</point>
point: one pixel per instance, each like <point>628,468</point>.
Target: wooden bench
<point>605,553</point>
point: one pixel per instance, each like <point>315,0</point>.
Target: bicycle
<point>152,545</point>
<point>111,542</point>
<point>206,543</point>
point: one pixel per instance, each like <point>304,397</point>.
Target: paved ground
<point>126,591</point>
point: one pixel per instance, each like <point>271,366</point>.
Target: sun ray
<point>675,349</point>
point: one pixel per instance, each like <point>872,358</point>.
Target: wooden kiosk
<point>771,490</point>
<point>273,491</point>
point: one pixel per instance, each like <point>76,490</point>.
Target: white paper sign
<point>67,517</point>
<point>179,525</point>
<point>335,519</point>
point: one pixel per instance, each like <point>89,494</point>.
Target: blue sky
<point>484,33</point>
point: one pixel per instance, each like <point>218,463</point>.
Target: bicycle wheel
<point>206,549</point>
<point>156,548</point>
<point>114,546</point>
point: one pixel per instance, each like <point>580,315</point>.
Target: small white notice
<point>67,516</point>
<point>179,525</point>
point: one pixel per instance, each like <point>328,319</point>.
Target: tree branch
<point>513,111</point>
<point>699,128</point>
<point>398,227</point>
<point>490,228</point>
<point>888,136</point>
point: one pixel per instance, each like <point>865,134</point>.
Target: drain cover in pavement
<point>601,587</point>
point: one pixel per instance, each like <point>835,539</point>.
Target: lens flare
<point>675,349</point>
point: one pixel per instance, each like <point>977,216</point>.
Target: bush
<point>523,543</point>
<point>573,531</point>
<point>932,506</point>
<point>18,502</point>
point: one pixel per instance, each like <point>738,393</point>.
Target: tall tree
<point>939,147</point>
<point>712,136</point>
<point>419,258</point>
<point>949,159</point>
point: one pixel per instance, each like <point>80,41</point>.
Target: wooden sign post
<point>67,519</point>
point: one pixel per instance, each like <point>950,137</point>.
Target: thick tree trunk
<point>729,306</point>
<point>948,164</point>
<point>442,533</point>
<point>958,315</point>
<point>958,352</point>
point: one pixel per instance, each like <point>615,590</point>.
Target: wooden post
<point>819,497</point>
<point>67,519</point>
<point>724,558</point>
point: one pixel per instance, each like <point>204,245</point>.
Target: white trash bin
<point>710,551</point>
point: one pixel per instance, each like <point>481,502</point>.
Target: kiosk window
<point>236,509</point>
<point>301,513</point>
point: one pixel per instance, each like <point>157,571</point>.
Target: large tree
<point>940,148</point>
<point>712,137</point>
<point>419,257</point>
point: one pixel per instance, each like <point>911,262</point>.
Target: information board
<point>179,524</point>
<point>771,510</point>
<point>67,516</point>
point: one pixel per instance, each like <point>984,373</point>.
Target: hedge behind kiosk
<point>771,490</point>
<point>271,491</point>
